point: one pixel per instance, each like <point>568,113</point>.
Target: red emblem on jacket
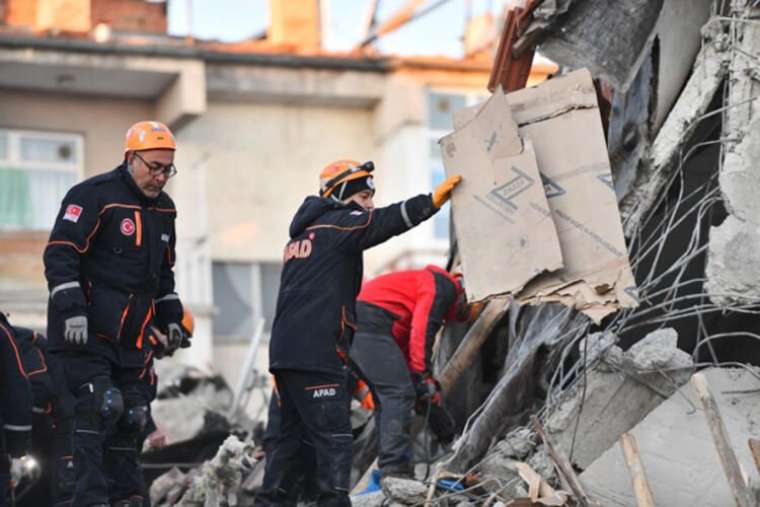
<point>127,227</point>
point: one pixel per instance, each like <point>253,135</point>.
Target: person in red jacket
<point>398,317</point>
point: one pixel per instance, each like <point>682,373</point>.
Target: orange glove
<point>442,192</point>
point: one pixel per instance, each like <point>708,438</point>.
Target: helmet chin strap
<point>342,189</point>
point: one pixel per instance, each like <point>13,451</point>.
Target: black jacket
<point>322,275</point>
<point>47,380</point>
<point>15,394</point>
<point>110,257</point>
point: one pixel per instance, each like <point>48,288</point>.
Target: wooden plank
<point>641,488</point>
<point>754,447</point>
<point>564,465</point>
<point>468,350</point>
<point>728,460</point>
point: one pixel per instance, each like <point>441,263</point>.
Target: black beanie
<point>345,190</point>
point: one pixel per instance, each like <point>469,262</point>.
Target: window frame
<point>15,160</point>
<point>256,297</point>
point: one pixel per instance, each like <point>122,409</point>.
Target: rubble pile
<point>217,483</point>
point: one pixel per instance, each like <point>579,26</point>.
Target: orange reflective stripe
<point>123,317</point>
<point>142,328</point>
<point>138,224</point>
<point>321,386</point>
<point>15,350</point>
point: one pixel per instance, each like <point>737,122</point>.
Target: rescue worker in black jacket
<point>52,420</point>
<point>314,321</point>
<point>15,406</point>
<point>109,269</point>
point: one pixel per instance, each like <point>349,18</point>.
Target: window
<point>36,171</point>
<point>441,107</point>
<point>243,292</point>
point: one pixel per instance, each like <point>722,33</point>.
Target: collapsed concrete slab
<point>617,394</point>
<point>676,447</point>
<point>607,38</point>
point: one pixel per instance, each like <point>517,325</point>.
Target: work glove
<point>442,192</point>
<point>75,330</point>
<point>175,336</point>
<point>427,390</point>
<point>441,424</point>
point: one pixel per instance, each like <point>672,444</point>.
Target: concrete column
<point>733,267</point>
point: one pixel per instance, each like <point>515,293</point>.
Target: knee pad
<point>111,406</point>
<point>134,420</point>
<point>100,401</point>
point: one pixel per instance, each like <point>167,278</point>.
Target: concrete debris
<point>190,402</point>
<point>219,480</point>
<point>608,39</point>
<point>536,329</point>
<point>609,401</point>
<point>164,490</point>
<point>374,499</point>
<point>659,349</point>
<point>733,272</point>
<point>404,491</point>
<point>676,447</point>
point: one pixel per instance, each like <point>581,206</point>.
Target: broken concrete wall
<point>734,268</point>
<point>668,150</point>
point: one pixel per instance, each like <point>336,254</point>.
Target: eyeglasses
<point>155,168</point>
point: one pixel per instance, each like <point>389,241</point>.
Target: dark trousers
<point>5,478</point>
<point>305,489</point>
<point>314,407</point>
<point>384,365</point>
<point>106,463</point>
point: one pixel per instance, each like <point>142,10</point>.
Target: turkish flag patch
<point>73,212</point>
<point>127,227</point>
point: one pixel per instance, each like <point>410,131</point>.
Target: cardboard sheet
<point>560,117</point>
<point>502,220</point>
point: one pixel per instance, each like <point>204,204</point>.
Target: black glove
<point>427,390</point>
<point>441,424</point>
<point>18,443</point>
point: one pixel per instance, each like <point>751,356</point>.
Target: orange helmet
<point>188,322</point>
<point>149,135</point>
<point>342,171</point>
